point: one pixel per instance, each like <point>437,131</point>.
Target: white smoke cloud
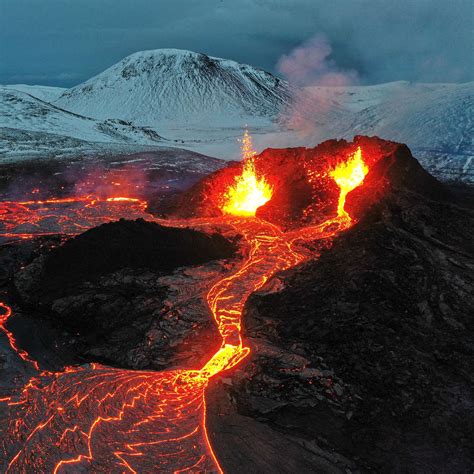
<point>308,68</point>
<point>311,64</point>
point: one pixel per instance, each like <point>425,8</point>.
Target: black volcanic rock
<point>365,357</point>
<point>128,244</point>
<point>126,293</point>
<point>392,175</point>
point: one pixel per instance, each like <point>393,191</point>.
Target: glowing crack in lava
<point>249,191</point>
<point>95,418</point>
<point>71,215</point>
<point>348,175</point>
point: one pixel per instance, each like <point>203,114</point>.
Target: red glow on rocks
<point>114,420</point>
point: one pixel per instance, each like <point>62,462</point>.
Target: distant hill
<point>152,87</point>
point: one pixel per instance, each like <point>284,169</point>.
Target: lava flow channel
<point>99,419</point>
<point>112,420</point>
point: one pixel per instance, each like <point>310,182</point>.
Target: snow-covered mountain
<point>22,111</point>
<point>164,86</point>
<point>31,125</point>
<point>190,100</point>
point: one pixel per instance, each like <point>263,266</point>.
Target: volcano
<point>305,192</point>
<point>326,329</point>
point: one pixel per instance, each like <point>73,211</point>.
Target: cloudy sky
<point>63,42</point>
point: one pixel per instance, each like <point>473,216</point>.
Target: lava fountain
<point>249,191</point>
<point>348,175</point>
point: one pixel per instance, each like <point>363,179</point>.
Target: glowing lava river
<point>94,418</point>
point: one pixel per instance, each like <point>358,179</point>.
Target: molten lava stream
<point>106,420</point>
<point>109,420</point>
<point>112,420</point>
<point>98,419</point>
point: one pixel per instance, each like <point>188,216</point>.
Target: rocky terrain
<point>362,360</point>
<point>124,294</point>
<point>143,174</point>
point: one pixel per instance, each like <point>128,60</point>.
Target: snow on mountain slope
<point>433,116</point>
<point>356,98</point>
<point>178,87</point>
<point>22,112</point>
<point>46,93</point>
<point>435,120</point>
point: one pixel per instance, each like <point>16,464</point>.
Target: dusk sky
<point>64,42</point>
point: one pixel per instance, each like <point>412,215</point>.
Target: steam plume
<point>310,64</point>
<point>307,67</point>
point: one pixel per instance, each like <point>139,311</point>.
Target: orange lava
<point>101,419</point>
<point>6,313</point>
<point>249,192</point>
<point>348,175</point>
<point>70,216</point>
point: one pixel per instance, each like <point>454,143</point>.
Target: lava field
<point>306,307</point>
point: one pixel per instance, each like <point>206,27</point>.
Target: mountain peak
<point>157,86</point>
<point>168,52</point>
